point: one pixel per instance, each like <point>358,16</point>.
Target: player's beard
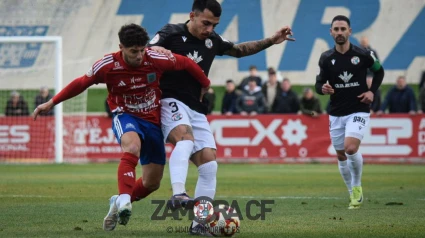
<point>340,40</point>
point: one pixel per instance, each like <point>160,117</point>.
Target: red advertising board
<point>264,138</point>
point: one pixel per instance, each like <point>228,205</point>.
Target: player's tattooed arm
<point>249,48</point>
<point>253,47</point>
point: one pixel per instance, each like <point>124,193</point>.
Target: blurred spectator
<point>228,106</point>
<point>209,98</point>
<point>422,82</point>
<point>422,100</point>
<point>376,104</point>
<point>400,98</point>
<point>287,101</point>
<point>253,74</point>
<point>16,106</point>
<point>251,101</point>
<point>271,88</point>
<point>108,110</point>
<point>43,97</point>
<point>364,42</point>
<point>310,105</point>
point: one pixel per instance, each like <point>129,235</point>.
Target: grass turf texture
<point>310,201</point>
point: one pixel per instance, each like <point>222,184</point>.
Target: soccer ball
<point>224,222</point>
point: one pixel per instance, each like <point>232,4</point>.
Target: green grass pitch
<point>310,201</point>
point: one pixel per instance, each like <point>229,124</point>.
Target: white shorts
<point>174,113</point>
<point>353,125</point>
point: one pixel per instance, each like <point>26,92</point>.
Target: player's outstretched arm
<point>74,88</point>
<point>45,107</point>
<point>253,47</point>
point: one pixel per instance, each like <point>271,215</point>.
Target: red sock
<point>127,173</point>
<point>139,191</point>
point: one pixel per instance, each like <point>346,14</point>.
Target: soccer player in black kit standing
<point>342,75</point>
<point>183,119</point>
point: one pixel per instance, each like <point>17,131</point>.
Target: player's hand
<point>244,113</point>
<point>412,112</point>
<point>253,113</point>
<point>228,113</point>
<point>203,92</point>
<point>45,107</point>
<point>314,114</point>
<point>283,34</point>
<point>379,113</point>
<point>366,97</point>
<point>327,89</point>
<point>162,50</point>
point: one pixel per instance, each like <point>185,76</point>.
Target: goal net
<point>30,74</point>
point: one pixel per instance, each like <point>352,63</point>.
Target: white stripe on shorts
<point>118,126</point>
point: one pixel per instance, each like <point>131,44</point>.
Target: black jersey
<point>180,84</point>
<point>346,73</point>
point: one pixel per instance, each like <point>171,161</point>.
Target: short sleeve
<point>223,45</point>
<point>372,62</point>
<point>160,38</point>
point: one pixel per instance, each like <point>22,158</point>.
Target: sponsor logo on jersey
<point>135,80</point>
<point>345,76</point>
<point>176,116</point>
<point>151,77</point>
<point>208,43</point>
<point>195,57</point>
<point>333,61</point>
<point>138,86</point>
<point>117,66</point>
<point>355,60</point>
<point>154,40</point>
<point>121,84</point>
<point>184,38</point>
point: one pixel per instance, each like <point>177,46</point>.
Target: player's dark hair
<point>341,18</point>
<point>212,5</point>
<point>229,81</point>
<point>133,35</point>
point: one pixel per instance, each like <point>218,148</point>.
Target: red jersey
<point>133,90</point>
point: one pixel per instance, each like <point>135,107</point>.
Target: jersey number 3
<point>175,107</point>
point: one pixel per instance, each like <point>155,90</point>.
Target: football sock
<point>126,177</point>
<point>355,164</point>
<point>207,180</point>
<point>122,200</point>
<point>194,223</point>
<point>179,165</point>
<point>139,191</point>
<point>345,173</point>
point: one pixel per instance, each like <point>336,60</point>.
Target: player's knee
<point>151,185</point>
<point>341,155</point>
<point>132,148</point>
<point>351,149</point>
<point>208,155</point>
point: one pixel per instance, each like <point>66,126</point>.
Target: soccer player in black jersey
<point>342,75</point>
<point>183,121</point>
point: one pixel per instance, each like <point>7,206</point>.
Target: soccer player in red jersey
<point>132,78</point>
